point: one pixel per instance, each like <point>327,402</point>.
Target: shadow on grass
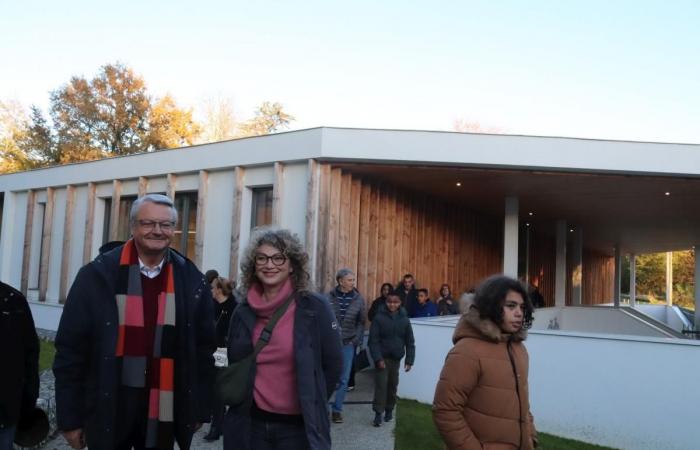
<point>415,431</point>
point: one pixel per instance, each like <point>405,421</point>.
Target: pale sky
<point>595,69</point>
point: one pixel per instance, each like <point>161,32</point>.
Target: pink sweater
<point>276,377</point>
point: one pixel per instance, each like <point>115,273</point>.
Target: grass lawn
<point>46,354</point>
<point>415,431</point>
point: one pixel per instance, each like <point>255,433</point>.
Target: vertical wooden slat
<point>311,216</point>
<point>344,221</point>
<point>67,239</point>
<point>89,222</point>
<point>354,240</point>
<point>390,226</point>
<point>238,174</point>
<point>202,195</point>
<point>382,201</point>
<point>373,239</point>
<point>364,240</point>
<point>114,213</point>
<point>46,244</point>
<point>407,238</point>
<point>277,193</point>
<point>143,186</point>
<point>399,241</point>
<point>27,249</point>
<point>324,194</point>
<point>171,186</point>
<point>333,231</point>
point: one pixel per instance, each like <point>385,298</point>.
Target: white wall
<point>594,319</point>
<point>217,222</point>
<point>294,197</point>
<point>622,392</point>
<point>668,315</point>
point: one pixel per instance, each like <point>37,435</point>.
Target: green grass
<point>415,431</point>
<point>46,353</point>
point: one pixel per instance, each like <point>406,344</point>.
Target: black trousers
<point>386,381</point>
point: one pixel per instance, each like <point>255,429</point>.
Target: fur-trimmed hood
<point>470,325</point>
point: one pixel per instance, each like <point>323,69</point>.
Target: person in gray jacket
<point>390,338</point>
<point>350,312</point>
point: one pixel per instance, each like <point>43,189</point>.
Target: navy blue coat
<point>318,356</point>
<point>87,371</point>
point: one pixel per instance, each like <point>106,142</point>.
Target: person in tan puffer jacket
<point>481,400</point>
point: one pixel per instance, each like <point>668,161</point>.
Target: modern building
<point>445,207</point>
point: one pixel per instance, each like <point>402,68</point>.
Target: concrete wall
<point>671,316</point>
<point>622,392</point>
<point>593,319</point>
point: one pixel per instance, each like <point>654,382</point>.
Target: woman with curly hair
<point>297,371</point>
<point>481,399</point>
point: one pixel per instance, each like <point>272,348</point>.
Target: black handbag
<point>234,383</point>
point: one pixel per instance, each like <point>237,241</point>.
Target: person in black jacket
<point>224,305</point>
<point>19,377</point>
<point>379,301</point>
<point>390,338</point>
<point>134,348</point>
<point>445,303</point>
<point>408,293</point>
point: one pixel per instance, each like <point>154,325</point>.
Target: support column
<point>633,279</point>
<point>669,278</point>
<point>510,238</point>
<point>560,265</point>
<point>618,276</point>
<point>577,272</point>
<point>697,288</point>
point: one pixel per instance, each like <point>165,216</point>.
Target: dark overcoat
<point>87,371</point>
<point>19,347</point>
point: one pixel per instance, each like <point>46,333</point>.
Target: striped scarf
<point>134,361</point>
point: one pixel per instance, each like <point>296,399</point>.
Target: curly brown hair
<point>288,244</point>
<point>491,295</point>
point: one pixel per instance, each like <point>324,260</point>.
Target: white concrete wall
<point>593,319</point>
<point>217,222</point>
<point>671,316</point>
<point>624,392</point>
<point>294,199</point>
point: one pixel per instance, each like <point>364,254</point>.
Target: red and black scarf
<point>130,348</point>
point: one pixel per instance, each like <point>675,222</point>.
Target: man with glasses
<point>134,347</point>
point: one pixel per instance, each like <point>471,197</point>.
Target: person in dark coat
<point>19,377</point>
<point>134,364</point>
<point>390,338</point>
<point>224,305</point>
<point>386,289</point>
<point>408,293</point>
<point>445,303</point>
<point>297,371</point>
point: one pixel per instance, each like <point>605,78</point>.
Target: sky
<point>594,69</point>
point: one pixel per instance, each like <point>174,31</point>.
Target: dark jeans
<point>218,409</point>
<point>7,436</point>
<point>385,383</point>
<point>267,435</point>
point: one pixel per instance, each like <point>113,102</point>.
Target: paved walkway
<point>356,432</point>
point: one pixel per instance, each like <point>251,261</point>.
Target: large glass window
<point>262,207</point>
<point>123,225</point>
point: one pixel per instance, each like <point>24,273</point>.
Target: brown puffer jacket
<point>481,400</point>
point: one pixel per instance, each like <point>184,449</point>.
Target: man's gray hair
<point>342,273</point>
<point>158,199</point>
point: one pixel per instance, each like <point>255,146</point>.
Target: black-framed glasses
<point>277,259</point>
<point>149,225</point>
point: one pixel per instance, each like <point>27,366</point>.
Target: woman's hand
<point>407,367</point>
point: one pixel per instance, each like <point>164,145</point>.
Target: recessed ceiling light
<point>527,224</point>
<point>571,230</point>
<point>667,193</point>
<point>458,184</point>
<point>531,213</point>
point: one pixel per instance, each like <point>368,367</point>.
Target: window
<point>123,225</point>
<point>262,207</point>
<point>186,229</point>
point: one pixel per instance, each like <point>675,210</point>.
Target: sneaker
<point>350,388</point>
<point>336,417</point>
<point>388,415</point>
<point>377,422</point>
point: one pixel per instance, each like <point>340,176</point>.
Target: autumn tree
<point>219,121</point>
<point>170,126</point>
<point>14,124</point>
<point>269,118</point>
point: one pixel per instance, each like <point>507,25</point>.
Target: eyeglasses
<point>277,259</point>
<point>149,225</point>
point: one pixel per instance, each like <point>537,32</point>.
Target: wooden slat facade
<point>401,232</point>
